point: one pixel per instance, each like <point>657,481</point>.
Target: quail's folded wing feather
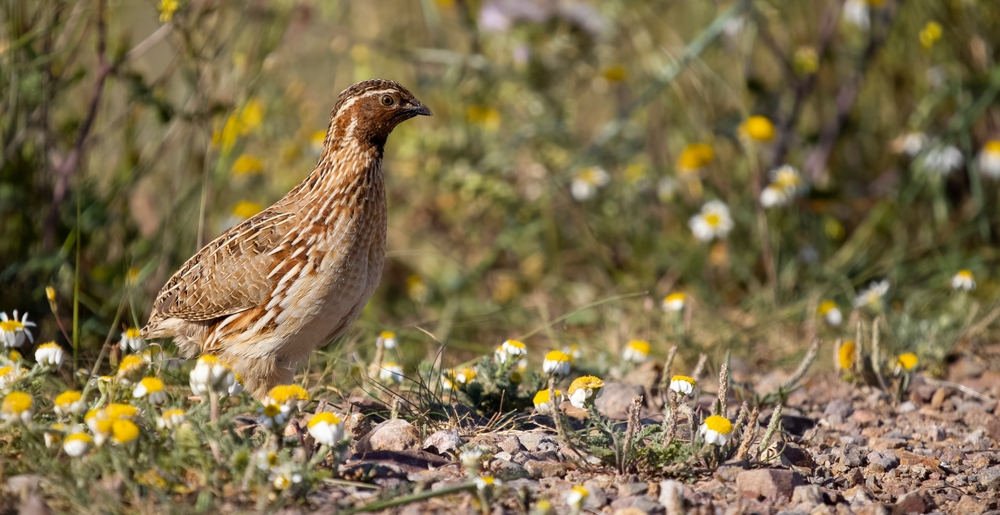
<point>229,275</point>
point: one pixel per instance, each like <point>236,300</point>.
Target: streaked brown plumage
<point>270,290</point>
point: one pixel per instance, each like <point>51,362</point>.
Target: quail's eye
<point>388,101</point>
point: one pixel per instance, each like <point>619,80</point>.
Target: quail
<point>295,276</point>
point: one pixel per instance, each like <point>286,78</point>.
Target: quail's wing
<point>229,275</point>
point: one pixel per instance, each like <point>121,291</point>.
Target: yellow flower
<point>77,443</point>
<point>119,411</point>
<point>846,355</point>
<point>50,293</point>
<point>614,73</point>
<point>930,34</point>
<point>758,128</point>
<point>167,9</point>
<point>717,430</point>
<point>636,351</point>
<point>416,288</point>
<point>316,141</point>
<point>674,301</point>
<point>695,157</point>
<point>68,402</point>
<point>225,137</point>
<point>557,362</point>
<point>907,361</point>
<point>131,368</point>
<point>541,401</point>
<point>963,280</point>
<point>583,390</point>
<point>245,209</point>
<point>17,407</point>
<point>151,387</point>
<point>806,61</point>
<point>247,164</point>
<point>682,385</point>
<point>287,395</point>
<point>124,431</point>
<point>829,311</point>
<point>488,117</point>
<point>251,116</point>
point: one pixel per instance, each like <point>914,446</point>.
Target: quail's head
<point>371,109</point>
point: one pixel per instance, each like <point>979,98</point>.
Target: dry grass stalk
<point>749,433</point>
<point>721,408</point>
<point>771,428</point>
<point>667,366</point>
<point>671,417</point>
<point>700,367</point>
<point>804,365</point>
<point>631,429</point>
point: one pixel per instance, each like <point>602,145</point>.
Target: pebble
<point>771,484</point>
<point>990,478</point>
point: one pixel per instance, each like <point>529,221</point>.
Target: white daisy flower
<point>717,430</point>
<point>856,12</point>
<point>14,331</point>
<point>327,428</point>
<point>682,385</point>
<point>712,222</point>
<point>132,340</point>
<point>50,355</point>
<point>911,143</point>
<point>636,351</point>
<point>963,280</point>
<point>872,295</point>
<point>942,160</point>
<point>170,419</point>
<point>77,444</point>
<point>989,159</point>
<point>151,388</point>
<point>390,373</point>
<point>542,401</point>
<point>587,181</point>
<point>387,340</point>
<point>674,302</point>
<point>557,363</point>
<point>829,311</point>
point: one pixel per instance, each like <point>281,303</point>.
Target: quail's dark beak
<point>420,110</point>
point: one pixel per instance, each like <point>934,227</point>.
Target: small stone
<point>809,494</point>
<point>643,503</point>
<point>974,437</point>
<point>538,442</point>
<point>990,478</point>
<point>906,407</point>
<point>443,442</point>
<point>511,445</point>
<point>357,425</point>
<point>672,496</point>
<point>596,498</point>
<point>937,400</point>
<point>507,470</point>
<point>391,435</point>
<point>616,398</point>
<point>864,417</point>
<point>937,433</point>
<point>770,484</point>
<point>882,462</point>
<point>911,502</point>
<point>727,473</point>
<point>881,444</point>
<point>992,427</point>
<point>837,410</point>
<point>969,506</point>
<point>633,488</point>
<point>537,469</point>
<point>851,457</point>
<point>502,455</point>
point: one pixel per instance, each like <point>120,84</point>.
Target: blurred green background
<point>552,175</point>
